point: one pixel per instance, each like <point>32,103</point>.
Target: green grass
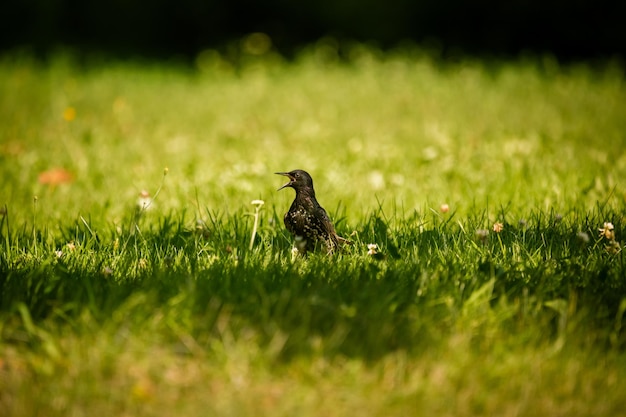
<point>107,308</point>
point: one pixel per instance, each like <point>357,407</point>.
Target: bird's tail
<point>336,242</point>
<point>343,241</point>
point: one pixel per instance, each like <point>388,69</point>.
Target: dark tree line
<point>573,29</point>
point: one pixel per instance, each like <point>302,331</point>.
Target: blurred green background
<point>398,129</point>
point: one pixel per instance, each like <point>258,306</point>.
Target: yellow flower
<point>69,114</point>
<point>498,227</point>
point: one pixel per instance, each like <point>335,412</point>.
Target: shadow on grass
<point>528,279</point>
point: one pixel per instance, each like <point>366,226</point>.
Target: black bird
<point>306,220</point>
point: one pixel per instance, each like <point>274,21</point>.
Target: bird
<point>306,220</point>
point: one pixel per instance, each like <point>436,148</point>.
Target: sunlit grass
<point>139,279</point>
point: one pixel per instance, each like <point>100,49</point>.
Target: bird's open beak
<point>286,174</point>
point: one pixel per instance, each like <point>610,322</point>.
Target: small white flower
<point>607,230</point>
<point>257,203</point>
<point>372,249</point>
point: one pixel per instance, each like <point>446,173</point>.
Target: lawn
<point>134,282</point>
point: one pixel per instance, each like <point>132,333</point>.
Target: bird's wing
<point>330,229</point>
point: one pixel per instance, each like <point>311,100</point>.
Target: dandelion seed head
<point>144,201</point>
<point>481,235</point>
<point>377,180</point>
<point>257,203</point>
<point>498,227</point>
<point>430,153</point>
<point>582,237</point>
<point>397,179</point>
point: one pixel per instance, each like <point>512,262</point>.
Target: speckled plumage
<point>306,220</point>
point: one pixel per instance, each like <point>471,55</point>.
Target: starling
<point>306,219</point>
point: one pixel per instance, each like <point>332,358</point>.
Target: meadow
<point>145,269</point>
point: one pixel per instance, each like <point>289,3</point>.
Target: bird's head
<point>298,180</point>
